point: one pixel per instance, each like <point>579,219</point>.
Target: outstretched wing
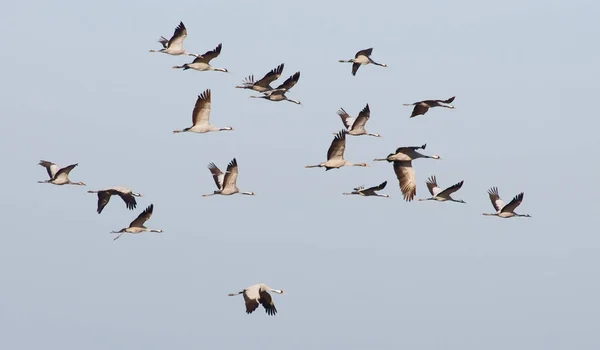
<point>362,118</point>
<point>495,198</point>
<point>338,146</point>
<point>251,303</point>
<point>355,67</point>
<point>512,205</point>
<point>406,178</point>
<point>143,217</point>
<point>231,176</point>
<point>103,199</point>
<point>129,199</point>
<point>51,168</point>
<point>346,119</point>
<point>449,100</point>
<point>217,175</point>
<point>432,186</point>
<point>379,187</point>
<point>267,302</point>
<point>365,52</point>
<point>419,109</point>
<point>209,55</point>
<point>448,191</point>
<point>64,172</point>
<point>201,113</point>
<point>179,35</point>
<point>290,82</point>
<point>273,75</point>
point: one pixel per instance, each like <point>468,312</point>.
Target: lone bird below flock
<point>278,94</point>
<point>335,154</point>
<point>403,168</point>
<point>438,194</point>
<point>362,57</point>
<point>356,126</point>
<point>259,293</point>
<point>226,183</point>
<point>174,46</point>
<point>58,176</point>
<point>263,84</point>
<point>371,191</point>
<point>508,210</point>
<point>137,225</point>
<point>126,195</point>
<point>422,107</point>
<point>202,62</point>
<point>201,116</point>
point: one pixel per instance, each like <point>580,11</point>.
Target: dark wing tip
<point>205,95</point>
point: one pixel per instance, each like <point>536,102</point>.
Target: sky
<point>79,86</point>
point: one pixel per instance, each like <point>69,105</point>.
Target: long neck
<point>278,291</point>
<point>219,69</point>
<point>294,101</point>
<point>457,200</point>
<point>376,135</point>
<point>248,193</point>
<point>314,166</point>
<point>227,128</point>
<point>152,230</point>
<point>349,193</point>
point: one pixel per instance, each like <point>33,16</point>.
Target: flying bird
<point>441,195</point>
<point>406,153</point>
<point>356,126</point>
<point>58,176</point>
<point>362,57</point>
<point>371,191</point>
<point>226,183</point>
<point>403,168</point>
<point>278,94</point>
<point>174,46</point>
<point>422,107</point>
<point>335,154</point>
<point>263,84</point>
<point>202,62</point>
<point>259,293</point>
<point>126,195</point>
<point>201,116</point>
<point>137,225</point>
<point>508,210</point>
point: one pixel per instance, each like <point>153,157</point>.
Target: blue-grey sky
<point>79,86</point>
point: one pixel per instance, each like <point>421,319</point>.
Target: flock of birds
<point>225,182</point>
